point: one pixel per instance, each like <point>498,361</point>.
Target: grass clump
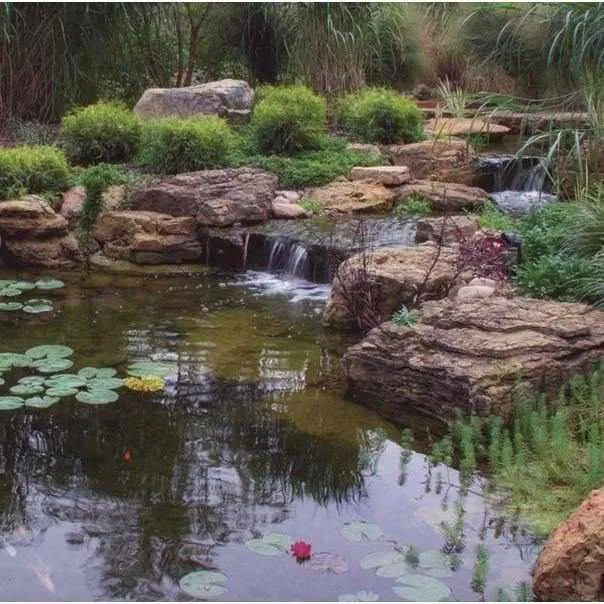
<point>32,169</point>
<point>380,115</point>
<point>414,207</point>
<point>173,145</point>
<point>404,316</point>
<point>288,120</point>
<point>104,132</point>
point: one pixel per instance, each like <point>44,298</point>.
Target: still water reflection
<point>250,437</point>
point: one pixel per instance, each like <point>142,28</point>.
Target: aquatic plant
<point>146,383</point>
<point>420,588</point>
<point>204,584</point>
<point>361,531</point>
<point>301,551</point>
<point>481,569</point>
<point>273,544</point>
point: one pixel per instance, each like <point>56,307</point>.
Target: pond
<point>250,438</point>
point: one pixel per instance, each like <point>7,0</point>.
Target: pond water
<point>250,437</point>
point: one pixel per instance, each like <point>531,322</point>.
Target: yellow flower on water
<point>145,383</point>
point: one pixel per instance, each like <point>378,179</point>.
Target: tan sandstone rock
<point>571,565</point>
<point>288,211</point>
<point>456,126</point>
<point>73,201</point>
<point>213,197</point>
<point>389,176</point>
<point>444,196</point>
<point>469,355</point>
<point>346,197</point>
<point>449,229</point>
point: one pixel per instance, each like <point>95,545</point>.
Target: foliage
<point>454,99</point>
<point>288,119</point>
<point>310,205</point>
<point>103,132</point>
<point>32,170</point>
<point>415,206</point>
<point>380,115</point>
<point>405,317</point>
<point>173,145</point>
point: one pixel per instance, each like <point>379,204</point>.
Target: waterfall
<point>288,257</point>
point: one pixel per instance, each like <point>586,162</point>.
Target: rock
<point>469,355</point>
<point>343,196</point>
<point>447,197</point>
<point>456,126</point>
<point>54,252</point>
<point>476,289</point>
<point>422,92</point>
<point>456,228</point>
<point>570,567</point>
<point>394,275</point>
<point>148,237</point>
<point>232,99</point>
<point>110,265</point>
<point>288,210</point>
<point>446,161</point>
<point>539,121</point>
<point>288,196</point>
<point>213,197</point>
<point>366,149</point>
<point>389,176</point>
<point>73,201</point>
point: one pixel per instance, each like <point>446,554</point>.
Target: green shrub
<point>288,119</point>
<point>32,170</point>
<point>379,115</point>
<point>104,132</point>
<point>173,145</point>
<point>414,207</point>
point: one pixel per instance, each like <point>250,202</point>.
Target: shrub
<point>32,170</point>
<point>416,206</point>
<point>288,119</point>
<point>104,132</point>
<point>379,115</point>
<point>173,145</point>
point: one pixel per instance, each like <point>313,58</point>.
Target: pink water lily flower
<point>301,551</point>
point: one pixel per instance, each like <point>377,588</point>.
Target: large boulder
<point>217,198</point>
<point>448,230</point>
<point>447,197</point>
<point>33,234</point>
<point>387,278</point>
<point>570,567</point>
<point>232,99</point>
<point>148,237</point>
<point>456,126</point>
<point>72,203</point>
<point>469,354</point>
<point>389,176</point>
<point>345,197</point>
<point>450,160</point>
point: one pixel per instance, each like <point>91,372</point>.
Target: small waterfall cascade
<point>288,257</point>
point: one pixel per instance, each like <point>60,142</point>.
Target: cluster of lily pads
<point>417,575</point>
<point>14,288</point>
<point>90,385</point>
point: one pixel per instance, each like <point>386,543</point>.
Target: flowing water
<point>250,437</point>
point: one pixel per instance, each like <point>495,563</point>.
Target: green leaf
<point>107,383</point>
<point>272,544</point>
<point>61,392</point>
<point>97,397</point>
<point>26,389</point>
<point>37,305</point>
<point>51,351</point>
<point>204,584</point>
<point>89,373</point>
<point>11,359</point>
<point>8,403</point>
<point>11,306</point>
<point>41,402</point>
<point>32,380</point>
<point>48,283</point>
<point>419,588</point>
<point>143,368</point>
<point>52,365</point>
<point>10,291</point>
<point>361,531</point>
<point>378,559</point>
<point>435,563</point>
<point>392,571</point>
<point>66,380</point>
<point>361,596</point>
<point>24,285</point>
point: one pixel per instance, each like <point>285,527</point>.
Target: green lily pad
<point>51,365</point>
<point>23,285</point>
<point>11,359</point>
<point>8,403</point>
<point>361,531</point>
<point>6,282</point>
<point>51,351</point>
<point>10,291</point>
<point>47,283</point>
<point>65,380</point>
<point>37,305</point>
<point>97,397</point>
<point>41,402</point>
<point>378,559</point>
<point>392,571</point>
<point>326,563</point>
<point>361,596</point>
<point>11,306</point>
<point>2,381</point>
<point>272,544</point>
<point>26,389</point>
<point>61,392</point>
<point>419,588</point>
<point>108,383</point>
<point>204,584</point>
<point>89,373</point>
<point>143,368</point>
<point>435,564</point>
<point>32,380</point>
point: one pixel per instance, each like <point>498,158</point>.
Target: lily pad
<point>435,564</point>
<point>65,380</point>
<point>419,588</point>
<point>8,403</point>
<point>361,596</point>
<point>52,365</point>
<point>51,351</point>
<point>204,584</point>
<point>89,373</point>
<point>37,305</point>
<point>142,368</point>
<point>48,283</point>
<point>378,559</point>
<point>2,381</point>
<point>61,392</point>
<point>327,563</point>
<point>97,397</point>
<point>11,359</point>
<point>11,306</point>
<point>392,571</point>
<point>361,531</point>
<point>41,402</point>
<point>272,544</point>
<point>24,285</point>
<point>10,291</point>
<point>32,380</point>
<point>26,389</point>
<point>108,383</point>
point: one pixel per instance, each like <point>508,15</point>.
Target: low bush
<point>32,170</point>
<point>414,207</point>
<point>379,115</point>
<point>173,145</point>
<point>288,120</point>
<point>104,132</point>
